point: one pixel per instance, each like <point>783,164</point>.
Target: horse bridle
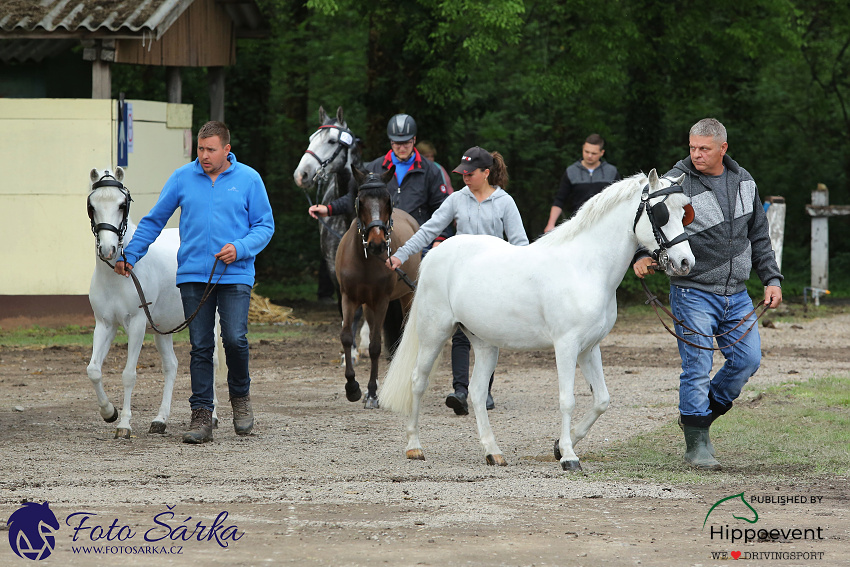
<point>107,180</point>
<point>658,215</point>
<point>121,231</point>
<point>373,181</point>
<point>344,143</point>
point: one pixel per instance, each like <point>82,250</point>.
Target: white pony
<point>115,301</point>
<point>558,291</point>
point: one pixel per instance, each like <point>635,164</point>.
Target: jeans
<point>460,363</point>
<point>701,397</point>
<point>233,301</point>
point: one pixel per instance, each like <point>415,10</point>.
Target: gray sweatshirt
<point>497,216</point>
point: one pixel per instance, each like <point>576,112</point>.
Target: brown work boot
<point>243,415</point>
<point>200,429</point>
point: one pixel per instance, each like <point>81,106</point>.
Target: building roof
<point>30,22</point>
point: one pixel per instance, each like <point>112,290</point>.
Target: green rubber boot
<point>708,444</point>
<point>697,454</point>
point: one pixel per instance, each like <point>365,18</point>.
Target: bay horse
<point>115,301</point>
<point>559,291</point>
<point>377,231</point>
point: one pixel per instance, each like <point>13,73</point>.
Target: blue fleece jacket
<point>235,209</point>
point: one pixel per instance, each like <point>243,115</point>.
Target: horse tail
<point>397,389</point>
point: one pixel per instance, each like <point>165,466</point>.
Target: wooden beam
<point>174,84</point>
<point>215,77</point>
<point>820,240</point>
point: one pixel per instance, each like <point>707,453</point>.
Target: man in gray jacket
<point>729,236</point>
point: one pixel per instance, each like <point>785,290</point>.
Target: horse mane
<point>593,209</point>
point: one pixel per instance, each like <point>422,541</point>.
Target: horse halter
<point>373,181</point>
<point>658,215</point>
<point>107,180</point>
<point>344,142</point>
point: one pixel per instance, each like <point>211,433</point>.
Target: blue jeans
<point>701,397</point>
<point>233,301</point>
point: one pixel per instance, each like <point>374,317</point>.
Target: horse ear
<point>119,173</point>
<point>359,175</point>
<point>323,116</point>
<point>339,117</point>
<point>94,175</point>
<point>388,175</point>
<point>653,178</point>
<point>679,180</point>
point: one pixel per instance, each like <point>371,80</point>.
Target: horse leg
<point>165,346</point>
<point>135,328</point>
<point>346,337</point>
<point>427,356</point>
<point>219,368</point>
<point>565,358</point>
<point>101,341</point>
<point>486,358</point>
<point>373,319</point>
<point>591,366</point>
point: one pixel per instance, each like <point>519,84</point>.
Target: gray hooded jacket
<point>729,235</point>
<point>497,215</point>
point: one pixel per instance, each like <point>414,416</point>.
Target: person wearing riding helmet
<point>417,187</point>
<point>481,207</point>
<point>729,237</point>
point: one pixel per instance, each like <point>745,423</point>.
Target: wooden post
<point>215,77</point>
<point>101,79</point>
<point>174,85</point>
<point>775,210</point>
<point>820,240</point>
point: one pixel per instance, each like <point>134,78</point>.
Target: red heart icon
<point>735,554</point>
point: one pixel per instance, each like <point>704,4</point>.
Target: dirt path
<point>324,482</point>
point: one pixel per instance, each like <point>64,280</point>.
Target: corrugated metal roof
<point>28,17</point>
<point>46,18</point>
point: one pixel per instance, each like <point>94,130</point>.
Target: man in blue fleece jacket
<point>224,214</point>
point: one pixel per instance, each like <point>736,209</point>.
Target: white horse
<point>115,301</point>
<point>558,291</point>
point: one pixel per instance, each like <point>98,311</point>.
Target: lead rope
<point>207,291</point>
<point>656,303</point>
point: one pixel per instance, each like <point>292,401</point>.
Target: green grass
<point>74,335</point>
<point>795,430</point>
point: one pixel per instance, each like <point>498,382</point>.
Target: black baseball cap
<point>474,158</point>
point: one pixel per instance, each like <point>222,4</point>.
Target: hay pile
<point>263,311</point>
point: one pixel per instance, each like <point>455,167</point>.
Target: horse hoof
<point>157,427</point>
<point>415,455</point>
<point>497,460</point>
<point>557,450</point>
<point>122,433</point>
<point>215,423</point>
<point>352,391</point>
<point>572,466</point>
<point>371,402</point>
<point>112,417</point>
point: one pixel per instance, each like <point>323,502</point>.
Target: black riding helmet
<point>401,128</point>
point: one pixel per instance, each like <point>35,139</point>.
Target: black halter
<point>344,143</point>
<point>373,181</point>
<point>107,180</point>
<point>658,216</point>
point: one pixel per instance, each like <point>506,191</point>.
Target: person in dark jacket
<point>582,180</point>
<point>729,236</point>
<point>417,188</point>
